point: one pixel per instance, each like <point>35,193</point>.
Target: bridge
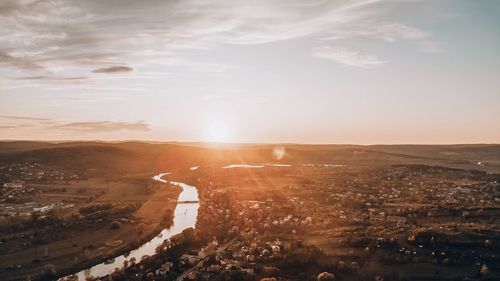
<point>187,202</point>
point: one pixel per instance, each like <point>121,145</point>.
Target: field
<point>75,240</point>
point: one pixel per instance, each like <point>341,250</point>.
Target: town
<point>352,223</point>
<point>368,217</point>
<point>274,140</point>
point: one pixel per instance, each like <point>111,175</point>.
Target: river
<point>185,215</point>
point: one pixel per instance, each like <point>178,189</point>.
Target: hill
<point>137,157</point>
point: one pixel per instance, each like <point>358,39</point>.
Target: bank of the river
<point>114,252</point>
<point>185,215</point>
<point>67,254</point>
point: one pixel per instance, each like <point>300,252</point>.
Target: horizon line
<point>241,143</point>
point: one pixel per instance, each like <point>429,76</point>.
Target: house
<point>248,270</point>
<point>45,208</point>
<point>189,259</point>
<point>250,258</point>
<point>214,268</point>
<point>164,269</point>
<point>14,184</point>
<point>202,254</point>
<point>276,249</point>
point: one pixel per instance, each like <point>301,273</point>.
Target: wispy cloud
<point>53,78</point>
<point>23,118</point>
<point>348,56</point>
<point>113,69</point>
<point>104,126</point>
<point>8,122</point>
<point>388,31</point>
<point>37,36</point>
<point>18,62</point>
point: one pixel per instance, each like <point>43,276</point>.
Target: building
<point>14,184</point>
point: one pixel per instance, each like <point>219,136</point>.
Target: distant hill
<point>19,146</point>
<point>137,157</point>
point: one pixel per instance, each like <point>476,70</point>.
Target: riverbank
<point>85,246</point>
<point>72,272</point>
<point>185,216</point>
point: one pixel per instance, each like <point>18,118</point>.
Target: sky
<point>312,71</point>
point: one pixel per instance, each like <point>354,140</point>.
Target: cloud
<point>21,63</point>
<point>93,34</point>
<point>113,69</point>
<point>12,126</point>
<point>388,31</point>
<point>8,122</point>
<point>348,56</point>
<point>53,78</point>
<point>104,126</point>
<point>29,118</point>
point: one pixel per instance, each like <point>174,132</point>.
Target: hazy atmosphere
<point>264,140</point>
<point>342,71</point>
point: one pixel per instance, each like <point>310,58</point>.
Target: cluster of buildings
<point>387,203</point>
<point>239,254</point>
<point>15,192</point>
<point>33,172</point>
<point>250,232</point>
<point>394,197</point>
<point>391,215</point>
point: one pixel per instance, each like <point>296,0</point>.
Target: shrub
<point>94,208</point>
<point>116,225</point>
<point>49,272</point>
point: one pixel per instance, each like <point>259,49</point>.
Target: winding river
<point>185,215</point>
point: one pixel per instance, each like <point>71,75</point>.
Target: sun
<point>217,132</point>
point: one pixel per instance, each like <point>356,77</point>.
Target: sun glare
<point>217,132</point>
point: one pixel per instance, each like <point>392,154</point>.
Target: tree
<point>116,225</point>
<point>49,272</point>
